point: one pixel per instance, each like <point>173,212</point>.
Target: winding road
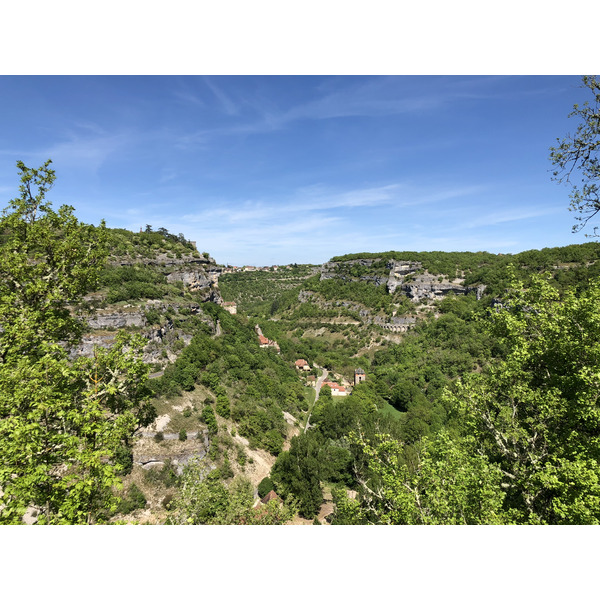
<point>318,385</point>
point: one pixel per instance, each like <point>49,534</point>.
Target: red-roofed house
<point>302,364</point>
<point>336,389</point>
<point>267,343</point>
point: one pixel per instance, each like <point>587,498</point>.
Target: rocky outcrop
<point>204,282</point>
<point>164,260</point>
<point>305,296</point>
<point>419,285</point>
<point>330,270</point>
<point>117,320</point>
<point>399,269</point>
<point>149,455</point>
<point>428,287</point>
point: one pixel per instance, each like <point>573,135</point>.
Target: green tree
<point>451,485</point>
<point>205,500</point>
<point>64,423</point>
<point>536,412</point>
<point>576,158</point>
<point>297,473</point>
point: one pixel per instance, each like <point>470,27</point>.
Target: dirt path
<point>318,388</point>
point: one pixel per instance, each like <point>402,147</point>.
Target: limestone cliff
<point>420,285</point>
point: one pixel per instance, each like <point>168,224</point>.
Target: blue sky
<point>276,169</point>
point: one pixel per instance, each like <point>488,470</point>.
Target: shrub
<point>241,457</point>
<point>166,475</point>
<point>223,407</point>
<point>226,470</point>
<point>265,486</point>
<point>182,435</point>
<point>124,458</point>
<point>208,417</point>
<point>159,436</point>
<point>133,500</point>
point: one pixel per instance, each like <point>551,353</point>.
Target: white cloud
<point>506,216</point>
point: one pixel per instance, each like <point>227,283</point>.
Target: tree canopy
<point>65,424</point>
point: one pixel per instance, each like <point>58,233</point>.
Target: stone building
<point>359,375</point>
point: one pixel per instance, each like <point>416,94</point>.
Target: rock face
<point>163,260</point>
<point>419,286</point>
<point>199,280</point>
<point>398,271</point>
<point>196,274</point>
<point>408,276</point>
<point>329,270</point>
<point>149,454</point>
<point>396,324</point>
<point>116,320</point>
<point>199,275</point>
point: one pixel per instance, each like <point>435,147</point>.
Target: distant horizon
<point>284,169</point>
<point>589,240</point>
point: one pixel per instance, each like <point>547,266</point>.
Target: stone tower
<point>359,375</point>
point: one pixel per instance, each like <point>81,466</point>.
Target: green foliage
<point>451,485</point>
<point>222,407</point>
<point>225,470</point>
<point>133,500</point>
<point>124,459</point>
<point>182,435</point>
<point>265,486</point>
<point>578,156</point>
<point>297,474</point>
<point>208,418</point>
<point>129,245</point>
<point>204,499</point>
<point>165,476</point>
<point>63,423</point>
<point>134,282</point>
<point>255,291</point>
<point>535,413</point>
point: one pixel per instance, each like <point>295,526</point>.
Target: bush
<point>208,417</point>
<point>124,458</point>
<point>265,486</point>
<point>182,435</point>
<point>133,500</point>
<point>226,470</point>
<point>223,407</point>
<point>159,436</point>
<point>166,475</point>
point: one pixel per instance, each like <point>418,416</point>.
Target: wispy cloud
<point>87,147</point>
<point>226,104</point>
<point>509,215</point>
<point>187,97</point>
<point>371,97</point>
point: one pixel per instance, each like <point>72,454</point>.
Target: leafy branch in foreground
<point>578,156</point>
<point>64,424</point>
